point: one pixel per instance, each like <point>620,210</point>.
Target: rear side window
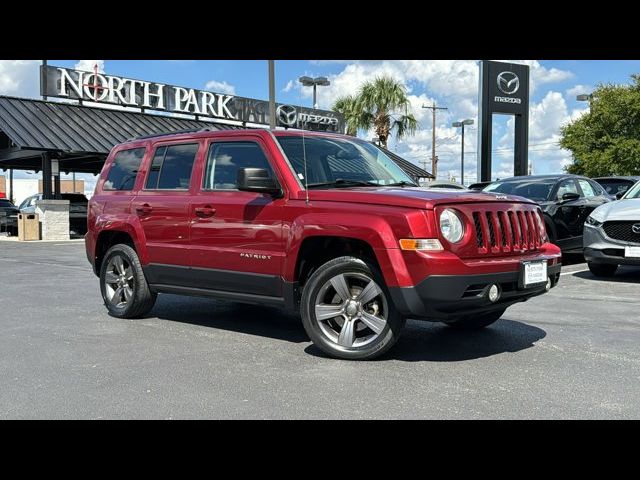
<point>171,167</point>
<point>123,171</point>
<point>587,189</point>
<point>226,158</point>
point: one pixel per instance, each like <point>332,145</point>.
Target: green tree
<point>381,104</point>
<point>606,140</point>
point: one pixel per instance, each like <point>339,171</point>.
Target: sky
<point>450,83</point>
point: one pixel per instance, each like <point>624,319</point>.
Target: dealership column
<point>47,194</point>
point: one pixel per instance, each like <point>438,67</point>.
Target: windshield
<point>539,190</point>
<point>6,204</point>
<point>634,192</point>
<point>614,186</point>
<point>339,162</point>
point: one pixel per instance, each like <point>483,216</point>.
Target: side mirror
<point>619,195</point>
<point>567,197</point>
<point>257,180</point>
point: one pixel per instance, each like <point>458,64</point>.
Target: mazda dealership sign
<point>110,89</point>
<point>504,89</point>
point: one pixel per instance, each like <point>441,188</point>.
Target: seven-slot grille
<point>622,231</point>
<point>507,230</point>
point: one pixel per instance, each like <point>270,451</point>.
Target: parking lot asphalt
<point>572,353</point>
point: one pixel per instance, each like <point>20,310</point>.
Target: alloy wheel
<point>119,281</point>
<point>351,309</point>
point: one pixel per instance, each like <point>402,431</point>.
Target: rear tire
<point>358,320</point>
<point>124,288</point>
<point>602,269</point>
<point>476,322</point>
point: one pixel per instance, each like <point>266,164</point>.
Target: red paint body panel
<point>172,232</point>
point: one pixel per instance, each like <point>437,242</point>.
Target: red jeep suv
<point>326,225</point>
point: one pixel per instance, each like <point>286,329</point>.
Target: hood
<point>620,210</point>
<point>411,197</point>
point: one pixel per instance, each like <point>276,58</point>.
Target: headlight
<point>451,226</point>
<point>596,217</point>
<point>593,222</point>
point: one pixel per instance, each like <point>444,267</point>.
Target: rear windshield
<point>614,186</point>
<point>538,191</point>
<point>6,204</point>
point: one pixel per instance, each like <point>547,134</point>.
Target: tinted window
<point>538,191</point>
<point>567,186</point>
<point>171,167</point>
<point>5,204</point>
<point>587,189</point>
<point>226,158</point>
<point>123,171</point>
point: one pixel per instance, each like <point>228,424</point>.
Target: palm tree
<point>381,104</point>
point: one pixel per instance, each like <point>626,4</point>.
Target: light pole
<point>462,123</point>
<point>314,82</point>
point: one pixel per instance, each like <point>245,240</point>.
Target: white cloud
<point>579,89</point>
<point>221,87</point>
<point>90,65</point>
<point>289,86</point>
<point>20,78</point>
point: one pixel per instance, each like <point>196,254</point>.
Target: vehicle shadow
<point>624,274</point>
<point>256,320</point>
<point>435,342</point>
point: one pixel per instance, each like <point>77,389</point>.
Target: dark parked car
<point>566,201</point>
<point>617,186</point>
<point>8,217</point>
<point>77,210</point>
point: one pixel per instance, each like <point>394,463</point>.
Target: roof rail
<point>175,132</point>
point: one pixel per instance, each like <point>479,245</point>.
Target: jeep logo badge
<point>287,115</point>
<point>636,228</point>
<point>508,83</point>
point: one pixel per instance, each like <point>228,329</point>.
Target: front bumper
<point>598,248</point>
<point>442,297</point>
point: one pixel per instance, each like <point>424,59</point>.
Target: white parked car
<point>612,234</point>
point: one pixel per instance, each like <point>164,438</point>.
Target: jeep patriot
<point>322,224</point>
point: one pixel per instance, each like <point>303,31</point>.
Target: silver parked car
<point>612,234</point>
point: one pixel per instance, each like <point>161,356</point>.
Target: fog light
<point>548,285</point>
<point>494,293</point>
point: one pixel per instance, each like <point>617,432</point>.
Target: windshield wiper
<point>402,183</point>
<point>339,182</point>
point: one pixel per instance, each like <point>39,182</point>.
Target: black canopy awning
<point>80,137</point>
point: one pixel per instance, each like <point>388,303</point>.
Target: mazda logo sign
<point>508,83</point>
<point>287,115</point>
<point>636,228</point>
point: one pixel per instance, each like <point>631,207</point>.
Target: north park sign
<point>98,87</point>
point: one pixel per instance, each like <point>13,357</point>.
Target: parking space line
<point>574,271</point>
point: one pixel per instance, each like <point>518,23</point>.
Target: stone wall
<point>54,218</point>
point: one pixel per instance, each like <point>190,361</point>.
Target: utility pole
<point>272,95</point>
<point>434,159</point>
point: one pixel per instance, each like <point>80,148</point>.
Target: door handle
<point>205,212</point>
<point>144,209</point>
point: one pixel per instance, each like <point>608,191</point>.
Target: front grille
<point>622,231</point>
<point>514,230</point>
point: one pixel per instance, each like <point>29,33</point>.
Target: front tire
<point>347,311</point>
<point>602,269</point>
<point>476,322</point>
<point>124,288</point>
